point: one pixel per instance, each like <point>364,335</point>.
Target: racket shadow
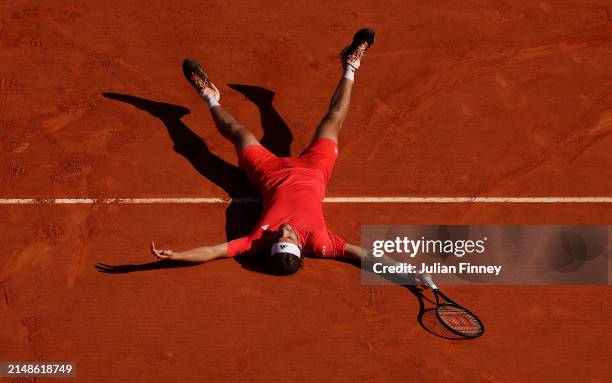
<point>427,318</point>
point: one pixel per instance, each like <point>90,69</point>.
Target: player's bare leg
<point>229,128</point>
<point>227,125</point>
<point>338,107</point>
<point>336,114</point>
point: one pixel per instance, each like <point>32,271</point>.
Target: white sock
<point>211,99</point>
<point>349,73</point>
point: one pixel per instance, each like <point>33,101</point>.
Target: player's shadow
<point>240,217</point>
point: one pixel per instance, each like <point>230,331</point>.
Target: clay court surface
<point>483,99</point>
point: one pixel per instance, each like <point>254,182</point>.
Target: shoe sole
<point>363,35</point>
<point>192,66</point>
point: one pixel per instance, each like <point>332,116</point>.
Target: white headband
<point>286,247</point>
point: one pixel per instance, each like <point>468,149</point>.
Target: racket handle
<point>428,281</point>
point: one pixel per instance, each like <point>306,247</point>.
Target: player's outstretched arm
<point>361,254</point>
<point>354,252</point>
<point>197,255</point>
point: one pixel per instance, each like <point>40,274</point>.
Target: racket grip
<point>428,281</point>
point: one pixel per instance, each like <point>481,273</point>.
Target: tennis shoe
<point>362,41</point>
<point>199,80</point>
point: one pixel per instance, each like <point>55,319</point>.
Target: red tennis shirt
<point>292,189</point>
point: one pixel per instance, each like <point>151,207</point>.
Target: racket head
<point>459,320</point>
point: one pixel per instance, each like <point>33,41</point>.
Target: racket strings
<point>459,320</point>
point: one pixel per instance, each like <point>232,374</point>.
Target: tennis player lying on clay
<point>292,188</point>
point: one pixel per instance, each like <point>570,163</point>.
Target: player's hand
<point>161,254</point>
<point>420,280</point>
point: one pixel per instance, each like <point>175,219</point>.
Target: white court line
<point>213,200</point>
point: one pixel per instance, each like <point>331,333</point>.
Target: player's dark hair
<point>286,263</point>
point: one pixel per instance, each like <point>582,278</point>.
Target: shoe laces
<point>354,58</point>
<point>358,53</point>
<point>199,81</point>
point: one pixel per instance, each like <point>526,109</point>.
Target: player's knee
<point>238,131</point>
<point>242,137</point>
<point>335,117</point>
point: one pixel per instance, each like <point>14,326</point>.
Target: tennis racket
<point>454,317</point>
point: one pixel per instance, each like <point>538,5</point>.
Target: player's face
<point>285,233</point>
